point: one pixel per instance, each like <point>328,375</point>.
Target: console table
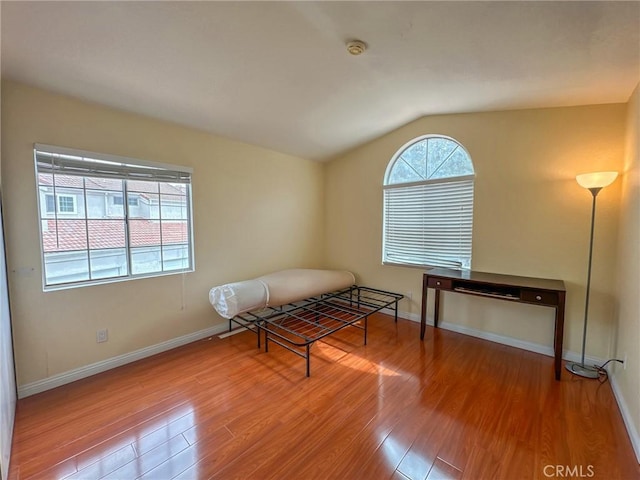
<point>536,291</point>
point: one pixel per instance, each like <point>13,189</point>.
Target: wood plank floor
<point>451,407</point>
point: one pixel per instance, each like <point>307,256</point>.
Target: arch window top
<point>429,158</point>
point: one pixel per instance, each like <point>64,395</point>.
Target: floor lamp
<point>594,182</point>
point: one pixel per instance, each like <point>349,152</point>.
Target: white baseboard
<point>626,416</point>
<point>504,340</point>
<point>104,365</point>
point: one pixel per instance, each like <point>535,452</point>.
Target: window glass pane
<point>147,207</point>
<point>175,257</point>
<point>456,165</point>
<point>71,181</point>
<point>416,158</point>
<point>145,260</point>
<point>439,150</point>
<point>66,267</point>
<point>173,207</point>
<point>68,203</point>
<point>45,179</point>
<point>173,188</point>
<point>108,263</point>
<point>100,204</point>
<point>174,232</point>
<point>144,232</point>
<point>106,234</point>
<point>403,173</point>
<point>142,186</point>
<point>64,235</point>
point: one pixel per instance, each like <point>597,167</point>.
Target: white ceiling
<point>277,74</point>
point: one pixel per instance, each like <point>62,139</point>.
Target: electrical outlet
<point>409,295</point>
<point>624,361</point>
<point>102,335</point>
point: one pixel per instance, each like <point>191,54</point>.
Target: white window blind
<point>428,205</point>
<point>99,236</point>
<point>429,224</point>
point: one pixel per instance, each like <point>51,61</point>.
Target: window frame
<point>435,181</point>
<point>161,169</point>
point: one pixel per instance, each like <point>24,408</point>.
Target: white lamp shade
<point>596,180</point>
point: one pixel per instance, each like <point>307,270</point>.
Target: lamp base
<point>581,370</point>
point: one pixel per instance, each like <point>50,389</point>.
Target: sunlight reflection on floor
<point>353,361</point>
<point>142,451</point>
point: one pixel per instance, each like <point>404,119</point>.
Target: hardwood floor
<point>452,407</point>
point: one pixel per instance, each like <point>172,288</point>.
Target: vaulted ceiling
<point>277,74</point>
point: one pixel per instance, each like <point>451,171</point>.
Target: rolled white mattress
<point>275,289</point>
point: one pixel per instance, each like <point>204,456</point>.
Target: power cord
<point>603,375</point>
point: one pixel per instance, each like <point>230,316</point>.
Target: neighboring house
<point>86,227</point>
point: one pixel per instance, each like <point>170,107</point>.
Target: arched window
<point>428,204</point>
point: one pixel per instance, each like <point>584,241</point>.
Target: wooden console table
<point>536,291</point>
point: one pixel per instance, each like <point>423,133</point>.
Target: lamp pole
<point>594,192</point>
<point>594,182</point>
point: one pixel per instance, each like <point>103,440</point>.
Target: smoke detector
<point>356,47</point>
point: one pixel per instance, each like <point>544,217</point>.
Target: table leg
<point>423,313</point>
<point>436,309</point>
<point>559,334</point>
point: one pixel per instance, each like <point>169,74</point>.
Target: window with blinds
<point>90,234</point>
<point>428,205</point>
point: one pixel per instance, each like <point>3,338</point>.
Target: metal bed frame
<point>296,326</point>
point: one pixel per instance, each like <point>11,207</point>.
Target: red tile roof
<point>68,235</point>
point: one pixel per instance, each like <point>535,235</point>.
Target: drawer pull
<point>537,296</point>
<point>439,283</point>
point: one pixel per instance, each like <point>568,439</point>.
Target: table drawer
<point>441,283</point>
<point>539,296</point>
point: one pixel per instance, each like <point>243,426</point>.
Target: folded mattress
<point>275,289</point>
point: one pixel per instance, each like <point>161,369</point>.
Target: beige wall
<point>531,218</point>
<point>254,210</point>
<point>628,332</point>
